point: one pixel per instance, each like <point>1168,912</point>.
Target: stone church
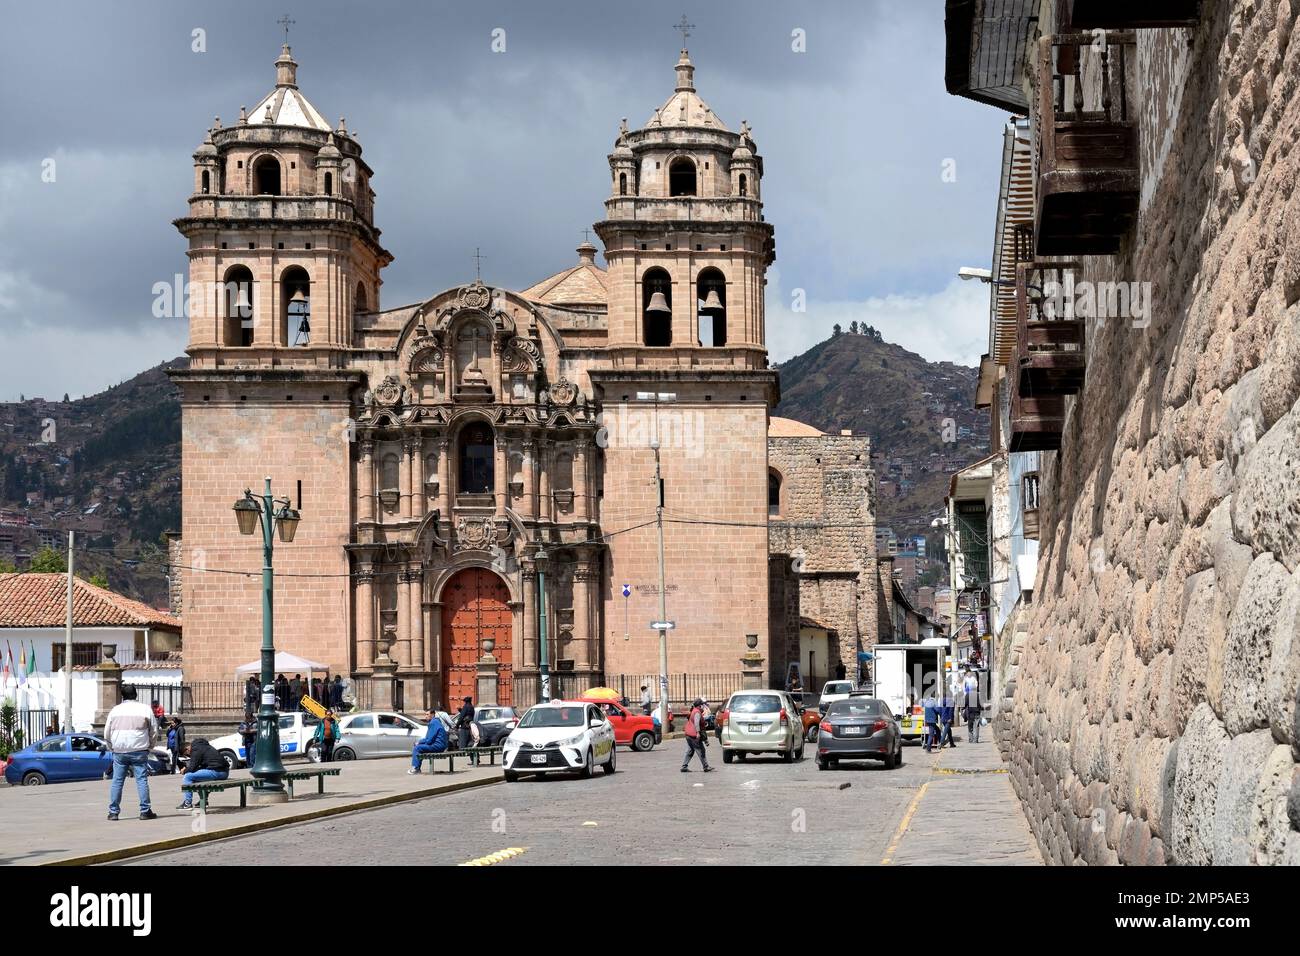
<point>451,455</point>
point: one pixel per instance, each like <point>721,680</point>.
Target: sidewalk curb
<point>144,849</point>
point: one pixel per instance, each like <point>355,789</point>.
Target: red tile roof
<point>41,600</point>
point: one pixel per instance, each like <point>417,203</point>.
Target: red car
<point>630,729</point>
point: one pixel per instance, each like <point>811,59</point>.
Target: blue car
<point>64,758</point>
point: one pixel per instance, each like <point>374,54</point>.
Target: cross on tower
<point>685,29</point>
<point>586,235</point>
<point>285,22</point>
<point>478,263</point>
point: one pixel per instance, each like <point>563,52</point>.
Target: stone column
<point>581,486</point>
<point>753,673</point>
<point>545,503</point>
<point>108,680</point>
<point>501,475</point>
<point>528,641</point>
<point>366,482</point>
<point>416,586</point>
<point>403,654</point>
<point>488,682</point>
<point>444,477</point>
<point>407,507</point>
<point>433,648</point>
<point>365,605</point>
<point>529,506</point>
<point>419,503</point>
<point>585,576</point>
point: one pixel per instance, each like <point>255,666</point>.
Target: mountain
<point>919,415</point>
<point>106,466</point>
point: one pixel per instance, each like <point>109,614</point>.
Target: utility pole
<point>65,717</point>
<point>663,588</point>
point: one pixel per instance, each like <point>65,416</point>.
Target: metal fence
<point>212,695</point>
<point>527,687</point>
<point>363,689</point>
<point>682,688</point>
<point>170,696</point>
<point>34,725</point>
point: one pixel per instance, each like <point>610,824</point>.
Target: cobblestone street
<point>759,811</point>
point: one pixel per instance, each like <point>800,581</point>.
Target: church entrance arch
<point>475,608</point>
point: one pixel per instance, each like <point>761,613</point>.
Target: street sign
<point>627,590</point>
<point>313,708</point>
<point>662,625</point>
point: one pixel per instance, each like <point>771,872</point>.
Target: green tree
<point>7,567</point>
<point>47,560</point>
<point>99,580</point>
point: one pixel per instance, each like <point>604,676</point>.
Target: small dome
<point>742,153</point>
<point>206,148</point>
<point>329,150</point>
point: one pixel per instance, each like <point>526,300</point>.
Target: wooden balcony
<point>1036,422</point>
<point>1088,185</point>
<point>1130,15</point>
<point>1029,504</point>
<point>1049,338</point>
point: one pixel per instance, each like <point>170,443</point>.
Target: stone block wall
<point>1153,712</point>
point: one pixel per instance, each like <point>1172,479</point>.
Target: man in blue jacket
<point>433,742</point>
<point>931,718</point>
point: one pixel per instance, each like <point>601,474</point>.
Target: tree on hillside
<point>47,560</point>
<point>853,328</point>
<point>7,567</point>
<point>836,330</point>
<point>99,580</point>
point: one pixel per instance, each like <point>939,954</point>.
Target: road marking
<point>497,857</point>
<point>952,770</point>
<point>902,827</point>
<point>590,823</point>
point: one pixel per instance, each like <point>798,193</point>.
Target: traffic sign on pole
<point>662,625</point>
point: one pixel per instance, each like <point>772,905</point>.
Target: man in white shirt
<point>130,731</point>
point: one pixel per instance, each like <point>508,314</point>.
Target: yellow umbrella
<point>603,693</point>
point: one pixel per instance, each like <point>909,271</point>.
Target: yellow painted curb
<point>902,827</point>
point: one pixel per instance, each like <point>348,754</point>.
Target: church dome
<point>285,105</point>
<point>206,148</point>
<point>329,150</point>
<point>685,107</point>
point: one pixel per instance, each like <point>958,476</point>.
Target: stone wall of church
<point>229,444</point>
<point>826,530</point>
<point>714,463</point>
<point>1154,714</point>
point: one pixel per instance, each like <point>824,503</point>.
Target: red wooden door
<point>475,606</point>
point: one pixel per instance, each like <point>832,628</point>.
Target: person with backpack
<point>327,734</point>
<point>695,737</point>
<point>248,733</point>
<point>204,764</point>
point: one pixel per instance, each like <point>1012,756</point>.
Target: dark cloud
<point>471,148</point>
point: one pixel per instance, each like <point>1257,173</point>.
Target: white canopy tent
<point>285,663</point>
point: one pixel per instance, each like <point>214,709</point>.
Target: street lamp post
<point>251,511</point>
<point>663,623</point>
<point>540,561</point>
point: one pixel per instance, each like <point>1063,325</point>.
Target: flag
<point>7,666</point>
<point>22,662</point>
<point>31,664</point>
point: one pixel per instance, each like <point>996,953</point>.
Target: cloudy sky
<point>505,151</point>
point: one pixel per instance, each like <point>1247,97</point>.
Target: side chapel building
<point>438,447</point>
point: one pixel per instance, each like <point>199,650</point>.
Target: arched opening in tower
<point>681,177</point>
<point>266,176</point>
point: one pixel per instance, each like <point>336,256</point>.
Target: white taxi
<point>560,735</point>
<point>296,732</point>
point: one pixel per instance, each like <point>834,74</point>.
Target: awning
<point>285,663</point>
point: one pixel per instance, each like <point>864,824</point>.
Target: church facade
<point>472,460</point>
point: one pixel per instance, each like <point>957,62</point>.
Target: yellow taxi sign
<point>312,707</point>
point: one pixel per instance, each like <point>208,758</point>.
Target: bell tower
<point>685,239</point>
<point>283,249</point>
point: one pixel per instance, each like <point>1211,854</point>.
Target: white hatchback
<point>560,735</point>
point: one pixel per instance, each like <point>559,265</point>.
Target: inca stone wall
<point>826,535</point>
<point>1153,715</point>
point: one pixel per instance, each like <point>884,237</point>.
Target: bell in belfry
<point>243,307</point>
<point>658,303</point>
<point>712,304</point>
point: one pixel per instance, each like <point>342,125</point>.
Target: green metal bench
<point>319,774</point>
<point>473,754</point>
<point>207,787</point>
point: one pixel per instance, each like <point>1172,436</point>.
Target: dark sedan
<point>859,728</point>
<point>495,724</point>
<point>64,758</point>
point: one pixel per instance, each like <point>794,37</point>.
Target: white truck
<point>905,674</point>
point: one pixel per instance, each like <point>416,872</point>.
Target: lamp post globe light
<point>272,515</point>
